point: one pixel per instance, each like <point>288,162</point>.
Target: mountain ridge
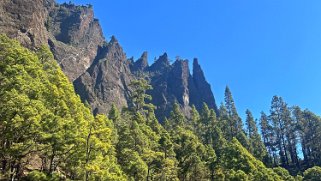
<point>77,42</point>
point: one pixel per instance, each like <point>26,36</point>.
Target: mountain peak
<point>197,71</point>
<point>141,64</point>
<point>203,91</point>
<point>144,55</point>
<point>161,64</point>
<point>164,56</point>
<point>113,39</point>
<point>195,62</point>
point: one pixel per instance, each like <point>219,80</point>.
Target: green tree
<point>312,174</point>
<point>234,121</point>
<point>138,95</point>
<point>133,165</point>
<point>268,139</point>
<point>196,122</point>
<point>283,173</point>
<point>278,122</point>
<point>42,118</point>
<point>236,157</point>
<point>257,147</point>
<point>100,154</point>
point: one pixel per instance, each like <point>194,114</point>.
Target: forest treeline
<point>47,133</point>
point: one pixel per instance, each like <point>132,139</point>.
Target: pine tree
<point>310,134</point>
<point>268,139</point>
<point>207,120</point>
<point>278,119</point>
<point>235,122</point>
<point>195,122</point>
<point>139,97</point>
<point>100,153</point>
<point>224,122</point>
<point>257,147</point>
<point>177,118</point>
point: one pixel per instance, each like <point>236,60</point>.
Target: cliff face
<point>75,37</point>
<point>202,91</point>
<point>174,83</point>
<point>24,20</point>
<point>72,33</point>
<point>106,80</point>
<point>99,69</point>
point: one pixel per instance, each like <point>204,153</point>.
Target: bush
<point>36,175</point>
<point>283,173</point>
<point>41,176</point>
<point>312,174</point>
<point>236,176</point>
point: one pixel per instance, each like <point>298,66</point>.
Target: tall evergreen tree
<point>235,123</point>
<point>139,97</point>
<point>257,147</point>
<point>278,118</point>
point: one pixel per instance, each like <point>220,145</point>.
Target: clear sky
<point>259,48</point>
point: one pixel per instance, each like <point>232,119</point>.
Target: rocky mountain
<point>72,32</point>
<point>100,70</point>
<point>174,83</point>
<point>106,80</point>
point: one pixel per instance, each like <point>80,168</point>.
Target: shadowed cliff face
<point>202,92</point>
<point>107,79</point>
<point>75,37</point>
<point>99,69</point>
<point>174,83</point>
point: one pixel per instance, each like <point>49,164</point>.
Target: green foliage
<point>236,176</point>
<point>41,116</point>
<point>236,157</point>
<point>100,161</point>
<point>134,165</point>
<point>36,175</point>
<point>138,96</point>
<point>312,174</point>
<point>283,173</point>
<point>256,146</point>
<point>40,176</point>
<point>234,122</point>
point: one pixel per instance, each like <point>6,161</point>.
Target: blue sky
<point>258,48</point>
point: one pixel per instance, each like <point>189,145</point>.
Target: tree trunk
<point>148,174</point>
<point>88,152</point>
<point>12,172</point>
<point>51,162</point>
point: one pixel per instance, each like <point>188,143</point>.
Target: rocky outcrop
<point>173,83</point>
<point>99,69</point>
<point>75,37</point>
<point>141,64</point>
<point>161,65</point>
<point>201,92</point>
<point>24,21</point>
<point>71,31</point>
<point>106,81</point>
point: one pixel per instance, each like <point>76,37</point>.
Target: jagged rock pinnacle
<point>161,64</point>
<point>197,71</point>
<point>141,64</point>
<point>113,39</point>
